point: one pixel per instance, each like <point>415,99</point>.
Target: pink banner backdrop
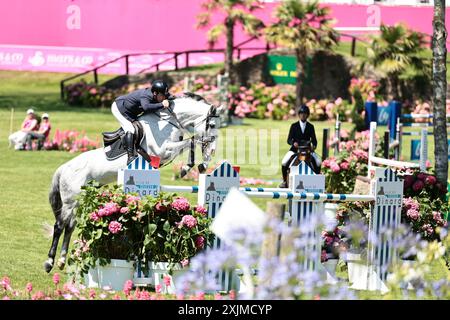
<point>76,35</point>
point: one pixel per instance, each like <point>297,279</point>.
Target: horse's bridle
<point>204,140</point>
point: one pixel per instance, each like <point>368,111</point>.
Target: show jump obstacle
<point>306,200</point>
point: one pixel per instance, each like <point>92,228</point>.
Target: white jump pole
<point>423,150</point>
<point>387,162</point>
<point>310,196</point>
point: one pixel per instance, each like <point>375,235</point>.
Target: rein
<point>193,139</point>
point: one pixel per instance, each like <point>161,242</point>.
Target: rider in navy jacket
<point>301,130</point>
<point>128,107</point>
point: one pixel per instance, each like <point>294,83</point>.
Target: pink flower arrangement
<point>132,200</point>
<point>367,87</point>
<point>200,209</point>
<point>189,221</point>
<point>94,216</point>
<point>184,262</point>
<point>71,141</point>
<point>167,280</point>
<point>418,185</point>
<point>123,226</point>
<point>200,242</point>
<point>181,204</point>
<point>127,287</point>
<point>424,202</point>
<point>56,278</point>
<point>115,227</point>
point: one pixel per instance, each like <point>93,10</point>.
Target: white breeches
<point>289,154</point>
<point>124,122</point>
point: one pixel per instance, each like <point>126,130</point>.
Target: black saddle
<point>115,147</point>
<point>304,150</point>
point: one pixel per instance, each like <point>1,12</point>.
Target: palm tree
<point>304,27</point>
<point>440,91</point>
<point>235,11</point>
<point>399,53</point>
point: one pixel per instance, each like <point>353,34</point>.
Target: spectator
<point>18,138</point>
<point>41,135</point>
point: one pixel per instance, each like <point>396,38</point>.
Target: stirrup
<point>131,159</point>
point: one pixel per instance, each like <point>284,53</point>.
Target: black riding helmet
<point>160,86</point>
<point>303,109</point>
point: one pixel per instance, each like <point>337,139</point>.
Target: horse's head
<point>194,112</point>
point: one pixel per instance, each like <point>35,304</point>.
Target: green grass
<point>26,176</point>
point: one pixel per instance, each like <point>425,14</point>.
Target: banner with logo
<point>283,69</point>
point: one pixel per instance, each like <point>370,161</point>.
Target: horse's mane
<point>194,96</point>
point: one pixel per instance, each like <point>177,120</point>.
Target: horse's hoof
<point>183,172</point>
<point>48,266</point>
<point>61,264</point>
<point>201,168</point>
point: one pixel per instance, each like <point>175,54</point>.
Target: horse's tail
<point>54,196</point>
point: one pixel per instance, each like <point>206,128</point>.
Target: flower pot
<point>330,266</point>
<point>160,270</point>
<point>91,278</point>
<point>330,216</point>
<point>354,265</point>
<point>115,274</point>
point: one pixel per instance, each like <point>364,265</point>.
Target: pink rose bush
<point>71,141</point>
<point>341,171</point>
<point>115,225</point>
<point>109,226</point>
<point>367,87</point>
<point>173,227</point>
<point>261,101</point>
<point>424,204</point>
<point>93,95</point>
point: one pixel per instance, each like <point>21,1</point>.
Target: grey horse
<point>162,138</point>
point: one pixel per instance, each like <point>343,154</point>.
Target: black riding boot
<point>284,171</point>
<point>129,146</point>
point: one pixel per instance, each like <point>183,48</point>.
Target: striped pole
<point>416,133</point>
<point>420,116</point>
<point>187,189</point>
<point>310,196</point>
<point>427,124</point>
<point>249,189</point>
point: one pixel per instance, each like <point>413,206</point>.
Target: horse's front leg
<point>191,160</point>
<point>173,149</point>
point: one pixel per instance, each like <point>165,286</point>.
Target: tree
<point>440,91</point>
<point>235,11</point>
<point>398,52</point>
<point>304,27</point>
